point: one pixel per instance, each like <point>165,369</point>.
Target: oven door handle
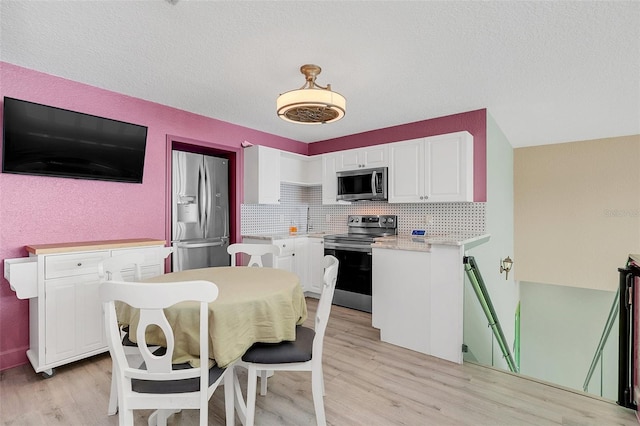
<point>348,247</point>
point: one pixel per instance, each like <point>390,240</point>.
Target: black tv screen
<point>49,141</point>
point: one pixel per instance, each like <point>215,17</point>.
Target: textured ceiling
<point>548,72</point>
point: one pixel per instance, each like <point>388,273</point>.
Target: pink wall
<point>475,122</point>
<point>38,210</point>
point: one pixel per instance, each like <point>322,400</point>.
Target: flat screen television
<point>49,141</point>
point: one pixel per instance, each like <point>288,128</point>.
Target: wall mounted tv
<point>49,141</point>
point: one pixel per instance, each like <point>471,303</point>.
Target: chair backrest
<point>324,304</point>
<point>256,251</point>
<point>127,267</point>
<point>117,267</point>
<point>151,299</point>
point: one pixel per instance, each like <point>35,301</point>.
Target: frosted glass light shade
<point>311,106</point>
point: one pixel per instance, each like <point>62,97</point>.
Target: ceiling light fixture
<point>311,104</point>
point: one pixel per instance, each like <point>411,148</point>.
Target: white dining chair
<point>303,354</point>
<point>157,383</point>
<point>126,267</point>
<point>256,251</point>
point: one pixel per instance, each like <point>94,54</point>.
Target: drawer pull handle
<point>79,263</point>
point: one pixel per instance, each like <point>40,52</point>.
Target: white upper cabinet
<point>300,169</point>
<point>432,169</point>
<point>363,158</point>
<point>406,172</point>
<point>329,179</point>
<point>261,175</point>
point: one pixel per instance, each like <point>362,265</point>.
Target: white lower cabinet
<point>417,299</point>
<point>72,326</point>
<point>301,255</point>
<point>315,261</point>
<point>65,313</point>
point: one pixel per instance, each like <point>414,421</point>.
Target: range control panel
<point>373,221</point>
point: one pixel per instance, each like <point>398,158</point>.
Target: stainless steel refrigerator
<point>200,215</point>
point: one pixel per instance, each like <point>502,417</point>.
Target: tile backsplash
<point>303,206</point>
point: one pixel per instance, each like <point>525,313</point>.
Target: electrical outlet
<point>281,218</point>
<point>327,218</point>
<point>428,219</point>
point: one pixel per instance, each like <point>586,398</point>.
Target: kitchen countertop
<point>396,242</point>
<point>283,235</point>
<point>407,242</point>
<point>92,245</point>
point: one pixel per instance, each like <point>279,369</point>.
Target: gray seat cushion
<point>173,386</point>
<point>299,350</point>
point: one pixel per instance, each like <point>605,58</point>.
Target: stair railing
<point>482,294</point>
<point>597,356</point>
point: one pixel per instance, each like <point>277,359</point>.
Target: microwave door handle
<point>374,183</point>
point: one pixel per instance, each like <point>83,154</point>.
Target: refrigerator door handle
<point>198,245</point>
<point>202,194</point>
<point>208,189</point>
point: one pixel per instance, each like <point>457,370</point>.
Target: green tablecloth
<point>253,305</point>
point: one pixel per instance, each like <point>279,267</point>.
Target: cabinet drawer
<point>151,255</point>
<point>67,265</point>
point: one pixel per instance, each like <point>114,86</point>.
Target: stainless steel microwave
<point>362,185</point>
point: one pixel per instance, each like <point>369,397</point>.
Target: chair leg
<point>113,395</point>
<point>318,399</point>
<point>263,382</point>
<point>252,379</point>
<point>229,397</point>
<point>241,406</point>
<point>125,415</point>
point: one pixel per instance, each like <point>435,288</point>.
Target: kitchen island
<point>418,292</point>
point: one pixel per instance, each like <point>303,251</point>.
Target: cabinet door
<point>286,262</point>
<point>73,317</point>
<point>329,179</point>
<point>449,168</point>
<point>316,265</point>
<point>301,261</point>
<point>261,175</point>
<point>352,159</point>
<point>375,156</point>
<point>406,174</point>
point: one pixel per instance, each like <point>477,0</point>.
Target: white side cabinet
<point>61,282</point>
<point>261,175</point>
<point>432,169</point>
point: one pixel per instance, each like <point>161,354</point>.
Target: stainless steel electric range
<point>353,251</point>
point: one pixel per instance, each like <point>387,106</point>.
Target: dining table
<point>253,305</point>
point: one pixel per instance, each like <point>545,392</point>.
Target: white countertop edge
<point>285,235</point>
<point>425,243</point>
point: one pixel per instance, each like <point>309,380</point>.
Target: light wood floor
<point>367,383</point>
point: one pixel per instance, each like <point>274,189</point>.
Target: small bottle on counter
<point>293,227</point>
